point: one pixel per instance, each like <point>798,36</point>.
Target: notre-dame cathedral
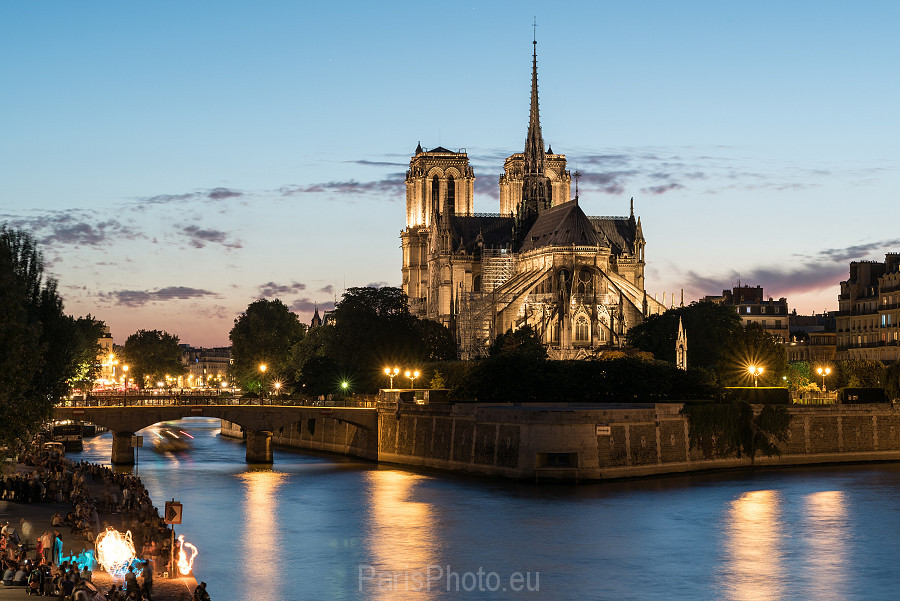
<point>577,280</point>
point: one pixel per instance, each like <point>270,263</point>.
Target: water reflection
<point>262,536</point>
<point>753,568</point>
<point>825,514</point>
<point>402,540</point>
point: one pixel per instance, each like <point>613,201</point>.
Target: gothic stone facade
<point>577,280</point>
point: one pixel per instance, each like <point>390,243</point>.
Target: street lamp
<point>755,372</point>
<point>277,386</point>
<point>262,388</point>
<point>125,398</point>
<point>823,372</point>
<point>412,375</point>
<point>392,373</point>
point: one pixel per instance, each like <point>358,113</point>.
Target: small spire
<point>419,148</point>
<point>632,207</point>
<point>549,149</point>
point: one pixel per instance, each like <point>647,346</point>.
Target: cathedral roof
<point>562,225</point>
<point>493,231</point>
<point>442,150</point>
<point>616,232</point>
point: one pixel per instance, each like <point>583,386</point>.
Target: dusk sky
<point>178,160</point>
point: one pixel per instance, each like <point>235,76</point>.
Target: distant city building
<point>106,357</point>
<point>327,318</point>
<point>868,318</point>
<point>205,366</point>
<point>577,280</point>
<point>750,305</point>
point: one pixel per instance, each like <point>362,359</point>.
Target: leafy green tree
<point>892,380</point>
<point>151,355</point>
<point>264,335</point>
<point>524,342</point>
<point>35,338</point>
<point>709,327</point>
<point>799,375</point>
<point>749,347</point>
<point>85,360</point>
<point>861,373</point>
<point>437,341</point>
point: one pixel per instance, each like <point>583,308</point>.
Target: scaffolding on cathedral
<point>478,310</point>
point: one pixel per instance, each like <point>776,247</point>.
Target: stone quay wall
<point>320,434</point>
<point>576,443</point>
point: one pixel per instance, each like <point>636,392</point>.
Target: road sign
<point>173,512</point>
<point>604,430</point>
<point>137,441</point>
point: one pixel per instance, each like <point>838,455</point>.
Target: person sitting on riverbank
<point>9,573</point>
<point>57,521</point>
<point>200,593</point>
<point>20,576</point>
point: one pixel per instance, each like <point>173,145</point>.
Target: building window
<point>435,193</point>
<point>582,329</point>
<point>451,194</point>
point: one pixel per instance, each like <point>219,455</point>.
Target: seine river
<point>324,528</point>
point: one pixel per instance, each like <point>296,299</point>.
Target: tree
<point>749,347</point>
<point>35,338</point>
<point>264,335</point>
<point>524,342</point>
<point>152,355</point>
<point>437,341</point>
<point>708,325</point>
<point>85,364</point>
<point>799,375</point>
<point>861,373</point>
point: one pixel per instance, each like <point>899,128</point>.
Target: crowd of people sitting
<point>38,563</point>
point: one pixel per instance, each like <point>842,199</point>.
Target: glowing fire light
<point>185,563</point>
<point>115,551</point>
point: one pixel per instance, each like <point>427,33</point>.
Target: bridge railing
<point>176,400</point>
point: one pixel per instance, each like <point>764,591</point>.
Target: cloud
<point>138,298</point>
<point>822,269</point>
<point>304,305</point>
<point>70,227</point>
<point>859,252</point>
<point>662,189</point>
<point>392,185</point>
<point>377,163</point>
<point>270,289</point>
<point>205,194</point>
<point>329,289</point>
<point>376,285</point>
<point>199,238</point>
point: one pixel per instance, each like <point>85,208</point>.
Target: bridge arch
<point>258,422</point>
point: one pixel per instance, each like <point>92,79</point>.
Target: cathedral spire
<point>534,141</point>
<point>536,191</point>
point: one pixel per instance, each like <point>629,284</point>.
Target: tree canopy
<point>709,327</point>
<point>151,355</point>
<point>38,342</point>
<point>264,335</point>
<point>371,328</point>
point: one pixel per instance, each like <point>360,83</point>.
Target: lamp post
<point>391,373</point>
<point>755,372</point>
<point>262,380</point>
<point>412,375</point>
<point>277,386</point>
<point>823,371</point>
<point>125,398</point>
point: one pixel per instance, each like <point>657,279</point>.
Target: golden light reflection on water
<point>402,540</point>
<point>261,536</point>
<point>826,522</point>
<point>753,526</point>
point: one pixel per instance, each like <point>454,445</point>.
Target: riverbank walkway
<point>39,514</point>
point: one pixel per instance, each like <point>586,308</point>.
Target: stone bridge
<point>258,422</point>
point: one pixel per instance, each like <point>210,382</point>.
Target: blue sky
<point>179,160</point>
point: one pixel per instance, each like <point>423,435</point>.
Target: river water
<point>328,528</point>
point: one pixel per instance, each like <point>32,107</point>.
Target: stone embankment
<point>579,443</point>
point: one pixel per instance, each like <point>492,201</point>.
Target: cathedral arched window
<point>582,329</point>
<point>451,194</point>
<point>435,193</point>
